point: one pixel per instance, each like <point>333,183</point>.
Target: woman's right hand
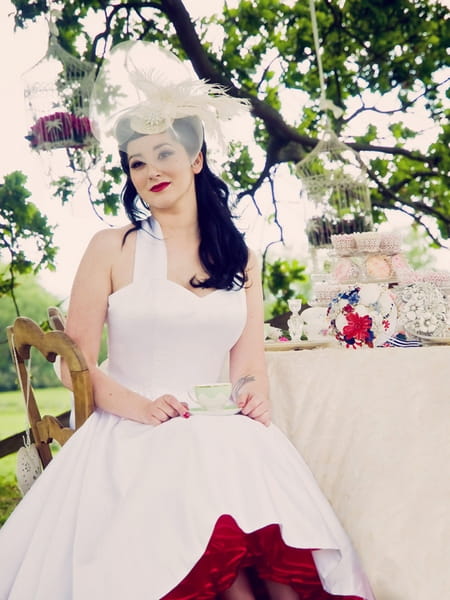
<point>163,408</point>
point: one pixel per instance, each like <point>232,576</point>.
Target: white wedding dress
<point>125,510</point>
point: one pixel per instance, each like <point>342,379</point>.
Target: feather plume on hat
<point>153,97</point>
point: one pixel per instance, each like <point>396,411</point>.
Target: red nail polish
<point>186,415</point>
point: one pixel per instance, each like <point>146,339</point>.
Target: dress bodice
<point>163,338</point>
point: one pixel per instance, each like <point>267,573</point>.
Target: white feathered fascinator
<point>150,88</point>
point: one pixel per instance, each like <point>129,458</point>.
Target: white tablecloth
<point>374,427</point>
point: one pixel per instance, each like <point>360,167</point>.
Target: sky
<point>76,222</point>
<point>20,51</point>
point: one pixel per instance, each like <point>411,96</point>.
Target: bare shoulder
<point>103,258</point>
<point>110,238</point>
<point>108,242</point>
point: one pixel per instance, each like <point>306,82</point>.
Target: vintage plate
<point>302,345</point>
<point>364,315</point>
<point>228,410</point>
<point>423,311</point>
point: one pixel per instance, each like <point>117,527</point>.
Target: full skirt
<point>127,510</point>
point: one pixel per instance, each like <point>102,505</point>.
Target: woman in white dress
<point>154,498</point>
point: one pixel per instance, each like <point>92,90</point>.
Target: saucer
<point>217,412</point>
<point>300,345</point>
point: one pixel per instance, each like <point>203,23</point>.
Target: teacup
<point>315,322</point>
<point>212,396</point>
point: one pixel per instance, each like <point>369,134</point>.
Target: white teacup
<point>213,396</point>
<point>315,322</point>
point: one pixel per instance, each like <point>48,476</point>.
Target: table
<point>374,427</point>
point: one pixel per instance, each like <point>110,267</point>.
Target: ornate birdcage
<point>57,91</point>
<point>335,192</point>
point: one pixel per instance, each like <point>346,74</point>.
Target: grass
<point>12,420</point>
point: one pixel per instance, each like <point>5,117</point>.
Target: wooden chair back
<point>25,334</point>
<point>56,319</point>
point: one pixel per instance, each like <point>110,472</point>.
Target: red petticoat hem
<point>262,553</point>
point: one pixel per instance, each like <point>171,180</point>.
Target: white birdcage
<point>57,91</point>
<point>335,191</point>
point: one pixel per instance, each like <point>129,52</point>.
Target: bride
<point>152,497</point>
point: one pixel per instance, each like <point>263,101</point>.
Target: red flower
<point>358,327</point>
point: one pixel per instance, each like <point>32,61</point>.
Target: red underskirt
<point>262,553</point>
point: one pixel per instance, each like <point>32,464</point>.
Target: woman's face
<point>161,170</point>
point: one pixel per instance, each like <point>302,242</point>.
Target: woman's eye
<point>165,154</point>
<point>136,164</point>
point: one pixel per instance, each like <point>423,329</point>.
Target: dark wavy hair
<point>223,252</point>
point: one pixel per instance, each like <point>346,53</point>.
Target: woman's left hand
<point>255,405</point>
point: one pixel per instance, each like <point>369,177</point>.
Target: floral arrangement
<point>59,130</point>
<point>363,316</point>
<point>423,309</point>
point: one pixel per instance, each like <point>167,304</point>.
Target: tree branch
<point>282,142</point>
<point>396,203</point>
<point>400,109</point>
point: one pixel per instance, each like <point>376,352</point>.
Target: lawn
<point>12,420</point>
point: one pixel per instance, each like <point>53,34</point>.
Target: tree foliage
<point>26,238</point>
<point>381,62</point>
<point>33,301</point>
<point>283,280</point>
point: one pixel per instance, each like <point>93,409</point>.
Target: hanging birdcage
<point>335,190</point>
<point>57,91</point>
<point>335,196</point>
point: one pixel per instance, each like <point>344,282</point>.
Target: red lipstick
<point>159,187</point>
